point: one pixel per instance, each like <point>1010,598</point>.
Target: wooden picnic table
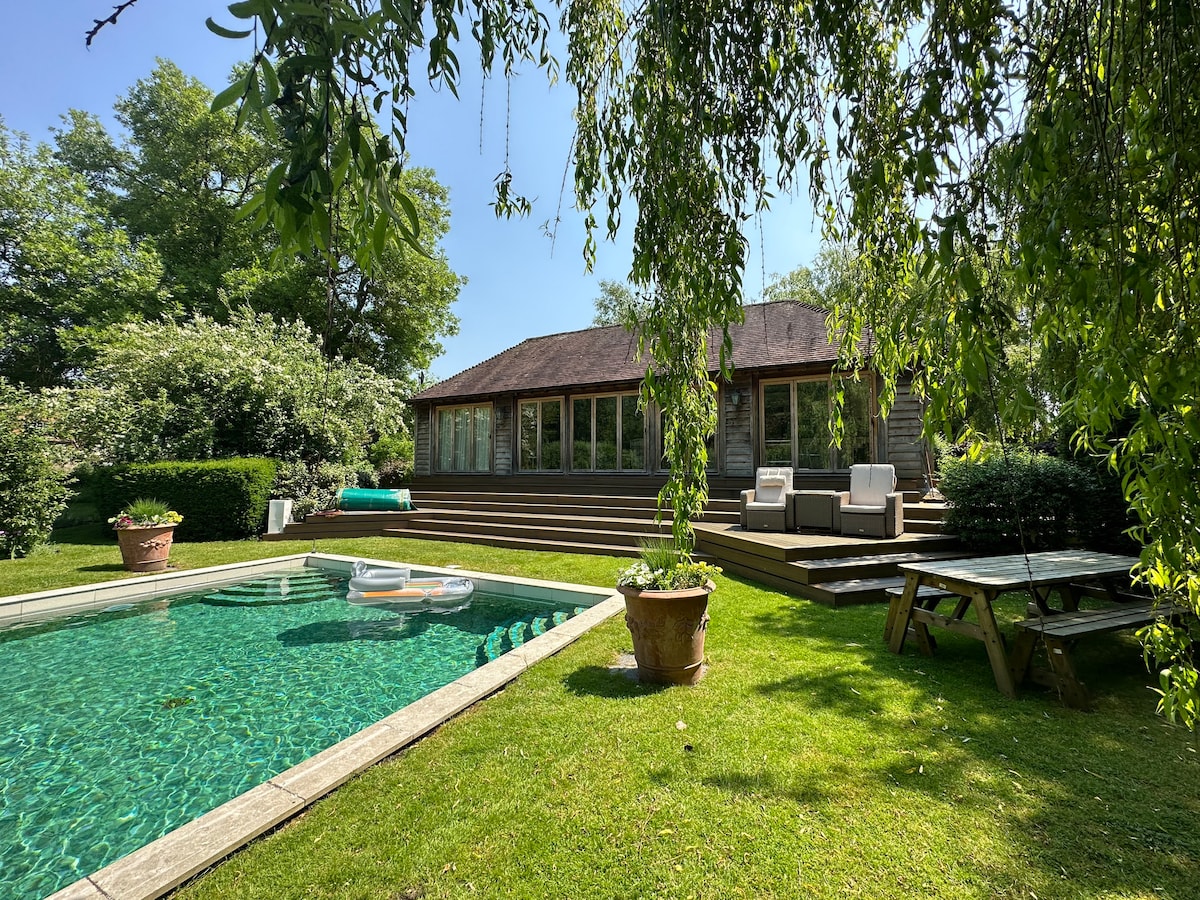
<point>976,582</point>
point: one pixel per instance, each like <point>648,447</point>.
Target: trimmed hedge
<point>1048,502</point>
<point>219,499</point>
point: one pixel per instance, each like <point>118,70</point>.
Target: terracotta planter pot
<point>146,549</point>
<point>668,630</point>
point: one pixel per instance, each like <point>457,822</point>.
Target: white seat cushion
<point>870,485</point>
<point>771,486</point>
<point>863,508</point>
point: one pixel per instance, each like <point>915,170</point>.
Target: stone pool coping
<point>164,864</point>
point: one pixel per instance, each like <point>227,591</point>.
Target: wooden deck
<point>829,569</point>
<point>833,569</point>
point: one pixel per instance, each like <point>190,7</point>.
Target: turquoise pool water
<point>120,726</point>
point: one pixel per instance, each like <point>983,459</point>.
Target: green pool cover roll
<point>373,499</point>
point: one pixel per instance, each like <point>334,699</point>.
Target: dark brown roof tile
<point>781,334</point>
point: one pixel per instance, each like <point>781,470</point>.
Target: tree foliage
<point>64,261</point>
<point>204,390</point>
<point>836,276</point>
<point>180,179</point>
<point>991,153</point>
<point>617,304</point>
<point>34,485</point>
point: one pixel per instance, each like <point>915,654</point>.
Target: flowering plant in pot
<point>666,611</point>
<point>145,529</point>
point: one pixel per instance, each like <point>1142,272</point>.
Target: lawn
<point>810,762</point>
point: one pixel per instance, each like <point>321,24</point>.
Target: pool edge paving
<point>164,864</point>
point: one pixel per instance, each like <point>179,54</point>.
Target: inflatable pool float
<point>365,578</point>
<point>395,589</point>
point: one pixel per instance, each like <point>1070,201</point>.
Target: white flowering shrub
<point>202,389</point>
<point>314,488</point>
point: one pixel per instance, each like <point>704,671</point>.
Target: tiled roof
<point>779,334</point>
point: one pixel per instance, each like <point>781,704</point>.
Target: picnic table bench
<point>1058,634</point>
<point>977,582</point>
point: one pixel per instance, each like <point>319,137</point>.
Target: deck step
<point>873,566</point>
<point>497,508</point>
<point>851,591</point>
<point>538,519</point>
<point>515,543</point>
<point>604,501</point>
<point>722,539</point>
<point>616,537</point>
<point>924,512</point>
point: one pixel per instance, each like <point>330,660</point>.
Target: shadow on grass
<point>110,567</point>
<point>612,683</point>
<point>758,784</point>
<point>1108,664</point>
<point>768,784</point>
<point>1106,794</point>
<point>93,533</point>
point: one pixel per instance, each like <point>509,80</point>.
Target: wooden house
<point>560,414</point>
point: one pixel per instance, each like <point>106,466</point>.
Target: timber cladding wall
<point>738,431</point>
<point>905,445</point>
<point>423,440</point>
<point>504,428</point>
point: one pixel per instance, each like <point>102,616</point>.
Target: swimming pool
<point>140,715</point>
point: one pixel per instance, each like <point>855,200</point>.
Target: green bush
<point>224,499</point>
<point>205,390</point>
<point>34,488</point>
<point>395,473</point>
<point>390,448</point>
<point>1022,501</point>
<point>314,488</point>
<point>392,457</point>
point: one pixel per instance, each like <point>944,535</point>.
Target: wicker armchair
<point>871,507</point>
<point>768,506</point>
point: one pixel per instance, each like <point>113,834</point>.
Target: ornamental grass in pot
<point>666,611</point>
<point>145,529</point>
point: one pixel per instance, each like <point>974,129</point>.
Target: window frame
<point>618,396</point>
<point>471,442</point>
<point>833,454</point>
<point>562,434</point>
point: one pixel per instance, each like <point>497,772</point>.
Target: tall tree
<point>617,304</point>
<point>836,275</point>
<point>64,262</point>
<point>189,173</point>
<point>180,178</point>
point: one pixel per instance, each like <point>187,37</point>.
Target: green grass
<point>810,762</point>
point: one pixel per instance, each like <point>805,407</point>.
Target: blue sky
<point>521,284</point>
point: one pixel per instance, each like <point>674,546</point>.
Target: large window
<point>795,424</point>
<point>464,439</point>
<point>608,434</point>
<point>541,436</point>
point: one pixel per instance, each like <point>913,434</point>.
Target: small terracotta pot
<point>146,549</point>
<point>668,630</point>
